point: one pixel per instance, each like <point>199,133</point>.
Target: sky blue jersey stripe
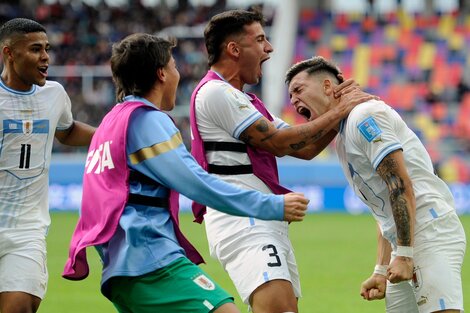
<point>16,126</point>
<point>384,153</point>
<point>246,123</point>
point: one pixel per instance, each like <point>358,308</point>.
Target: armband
<point>405,251</point>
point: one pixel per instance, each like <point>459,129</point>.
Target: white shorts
<point>255,256</point>
<point>439,251</point>
<point>23,267</point>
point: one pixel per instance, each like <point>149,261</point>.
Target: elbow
<point>305,154</point>
<point>62,139</point>
<point>276,150</point>
<point>279,154</point>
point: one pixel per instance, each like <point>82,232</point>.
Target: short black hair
<point>19,26</point>
<point>226,24</point>
<point>134,63</point>
<point>314,65</point>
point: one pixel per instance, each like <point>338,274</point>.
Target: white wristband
<point>381,270</point>
<point>405,251</point>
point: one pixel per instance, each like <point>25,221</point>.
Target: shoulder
<point>148,127</point>
<point>214,86</point>
<point>372,108</point>
<point>148,118</point>
<point>221,90</point>
<point>52,86</point>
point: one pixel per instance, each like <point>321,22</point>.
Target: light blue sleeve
<point>174,167</point>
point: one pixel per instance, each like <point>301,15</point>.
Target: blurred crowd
<point>417,62</point>
<point>82,35</point>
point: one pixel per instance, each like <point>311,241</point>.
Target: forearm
<point>312,150</point>
<point>177,170</point>
<point>314,135</point>
<point>384,249</point>
<point>393,171</point>
<point>403,208</point>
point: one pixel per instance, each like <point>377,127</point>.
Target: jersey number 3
<point>273,254</point>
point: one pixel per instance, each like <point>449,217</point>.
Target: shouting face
<point>254,50</point>
<point>308,95</point>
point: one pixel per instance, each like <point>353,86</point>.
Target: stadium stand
<point>418,62</point>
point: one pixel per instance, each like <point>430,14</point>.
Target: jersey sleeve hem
<point>387,150</point>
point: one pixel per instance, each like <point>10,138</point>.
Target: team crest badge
<point>27,127</point>
<point>204,282</point>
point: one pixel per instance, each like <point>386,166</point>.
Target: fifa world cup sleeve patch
<point>369,129</point>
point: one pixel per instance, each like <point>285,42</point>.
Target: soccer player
<point>234,136</point>
<point>421,242</point>
<point>32,111</point>
<point>136,164</point>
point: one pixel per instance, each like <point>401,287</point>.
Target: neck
<point>10,83</point>
<point>229,72</point>
<point>155,96</point>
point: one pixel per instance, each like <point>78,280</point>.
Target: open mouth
<point>264,60</point>
<point>304,112</point>
<point>43,70</point>
<point>261,66</point>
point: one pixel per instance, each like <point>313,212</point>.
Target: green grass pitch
<point>335,252</point>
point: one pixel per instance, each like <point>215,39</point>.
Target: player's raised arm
<point>306,140</point>
<point>178,170</point>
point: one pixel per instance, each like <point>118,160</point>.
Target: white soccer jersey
<point>28,123</point>
<point>223,113</point>
<point>372,131</point>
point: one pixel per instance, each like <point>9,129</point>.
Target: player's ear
<point>233,49</point>
<point>328,87</point>
<point>161,75</point>
<point>6,51</point>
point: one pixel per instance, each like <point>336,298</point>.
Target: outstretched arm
<point>161,155</point>
<point>305,141</point>
<point>393,171</point>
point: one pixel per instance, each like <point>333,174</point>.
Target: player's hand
<point>345,87</point>
<point>400,269</point>
<point>356,96</point>
<point>295,206</point>
<point>374,287</point>
<point>349,94</point>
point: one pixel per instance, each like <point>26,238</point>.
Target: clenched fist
<point>400,269</point>
<point>374,287</point>
<point>295,206</point>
